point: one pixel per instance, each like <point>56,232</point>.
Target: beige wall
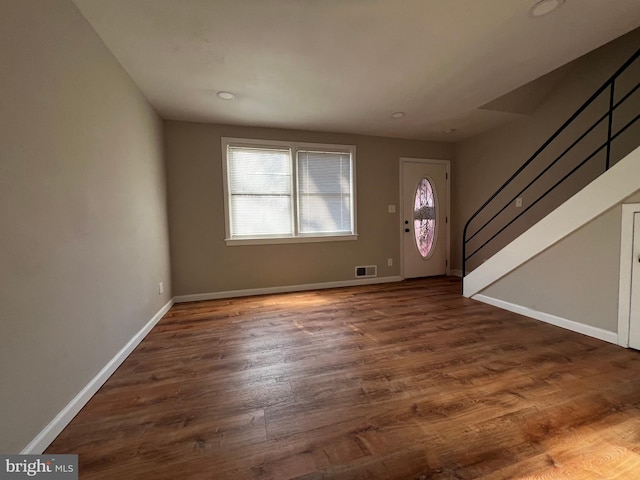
<point>484,162</point>
<point>84,238</point>
<point>576,279</point>
<point>201,261</point>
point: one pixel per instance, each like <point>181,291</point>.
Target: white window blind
<point>281,192</point>
<point>324,192</point>
<point>260,191</point>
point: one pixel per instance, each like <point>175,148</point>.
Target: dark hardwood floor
<point>407,380</point>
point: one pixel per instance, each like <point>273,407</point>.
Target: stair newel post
<point>609,128</point>
<point>464,250</point>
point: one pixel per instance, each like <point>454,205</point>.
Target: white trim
<point>62,419</point>
<point>197,297</point>
<point>301,239</point>
<point>595,332</point>
<point>626,266</point>
<point>447,165</point>
<point>606,191</point>
<point>293,147</point>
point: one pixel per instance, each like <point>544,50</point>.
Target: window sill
<point>281,240</point>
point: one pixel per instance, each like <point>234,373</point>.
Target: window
<point>279,192</point>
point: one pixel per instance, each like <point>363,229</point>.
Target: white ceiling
<point>347,65</point>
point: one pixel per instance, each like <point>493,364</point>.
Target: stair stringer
<point>606,191</point>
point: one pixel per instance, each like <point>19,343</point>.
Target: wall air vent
<point>367,271</point>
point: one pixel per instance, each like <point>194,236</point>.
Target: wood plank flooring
<point>407,380</point>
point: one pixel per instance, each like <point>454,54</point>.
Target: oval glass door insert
<point>424,217</point>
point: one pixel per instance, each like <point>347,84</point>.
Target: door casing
<point>629,210</point>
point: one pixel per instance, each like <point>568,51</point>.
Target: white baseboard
<point>62,419</point>
<point>595,332</point>
<point>283,289</point>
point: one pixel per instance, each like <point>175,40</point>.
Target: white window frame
<point>296,237</point>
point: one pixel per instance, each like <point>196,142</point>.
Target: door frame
<point>447,164</point>
<point>626,264</point>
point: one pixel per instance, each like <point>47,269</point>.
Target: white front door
<point>424,186</point>
<point>634,317</point>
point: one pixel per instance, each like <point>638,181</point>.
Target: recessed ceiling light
<point>226,95</point>
<point>449,131</point>
<point>398,115</point>
<point>544,6</point>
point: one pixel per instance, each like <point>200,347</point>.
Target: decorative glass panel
<point>424,217</point>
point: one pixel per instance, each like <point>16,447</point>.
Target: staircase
<point>606,191</point>
<point>589,165</point>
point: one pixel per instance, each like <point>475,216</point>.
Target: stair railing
<point>608,115</point>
